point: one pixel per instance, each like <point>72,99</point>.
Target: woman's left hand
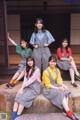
<point>45,44</point>
<point>20,91</point>
<point>65,87</point>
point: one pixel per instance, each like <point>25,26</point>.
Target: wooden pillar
<point>6,51</point>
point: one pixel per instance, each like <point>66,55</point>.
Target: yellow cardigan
<point>46,78</point>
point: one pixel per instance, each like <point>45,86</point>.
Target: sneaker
<point>74,84</point>
<point>78,77</point>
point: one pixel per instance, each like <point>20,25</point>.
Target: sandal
<point>74,84</point>
<point>11,85</point>
<point>8,85</point>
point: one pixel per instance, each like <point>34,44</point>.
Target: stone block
<point>40,104</point>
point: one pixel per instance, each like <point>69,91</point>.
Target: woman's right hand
<point>8,35</point>
<point>35,46</point>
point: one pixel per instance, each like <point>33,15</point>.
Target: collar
<point>52,69</point>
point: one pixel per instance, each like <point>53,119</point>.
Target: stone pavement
<point>48,116</point>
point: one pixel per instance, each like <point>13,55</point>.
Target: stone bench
<point>40,104</point>
<point>48,116</point>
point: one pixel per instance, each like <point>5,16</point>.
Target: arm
<point>49,38</point>
<point>70,53</point>
<point>33,41</point>
<point>12,41</point>
<point>59,54</point>
<point>46,80</point>
<point>60,81</point>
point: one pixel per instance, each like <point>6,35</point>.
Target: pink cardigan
<point>36,76</point>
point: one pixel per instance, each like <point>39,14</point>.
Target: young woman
<point>30,88</point>
<point>54,88</point>
<point>24,52</point>
<point>66,61</point>
<point>40,40</point>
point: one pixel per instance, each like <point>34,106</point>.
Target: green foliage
<point>8,114</point>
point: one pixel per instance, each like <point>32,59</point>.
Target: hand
<point>61,88</point>
<point>20,91</point>
<point>65,87</point>
<point>8,34</point>
<point>45,44</point>
<point>69,60</point>
<point>35,46</point>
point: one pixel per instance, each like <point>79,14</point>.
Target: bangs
<point>30,59</point>
<point>39,20</point>
<point>52,58</point>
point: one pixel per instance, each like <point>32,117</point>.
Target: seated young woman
<point>54,89</point>
<point>66,61</point>
<point>30,89</point>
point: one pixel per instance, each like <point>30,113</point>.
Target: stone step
<point>40,104</point>
<point>48,116</point>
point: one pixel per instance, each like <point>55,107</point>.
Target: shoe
<point>73,117</point>
<point>8,85</point>
<point>11,85</point>
<point>78,77</point>
<point>74,84</point>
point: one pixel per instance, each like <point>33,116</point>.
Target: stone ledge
<point>48,116</point>
<point>40,104</point>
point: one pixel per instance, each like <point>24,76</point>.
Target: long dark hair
<point>41,21</point>
<point>28,67</point>
<point>65,39</point>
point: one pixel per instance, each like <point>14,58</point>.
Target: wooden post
<point>6,51</point>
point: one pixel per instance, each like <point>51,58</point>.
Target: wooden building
<point>61,18</point>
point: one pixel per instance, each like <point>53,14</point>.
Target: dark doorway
<point>57,24</point>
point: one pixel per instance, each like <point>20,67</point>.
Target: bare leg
<point>65,104</point>
<point>19,77</point>
<point>14,113</point>
<point>14,77</point>
<point>20,109</point>
<point>71,71</point>
<point>15,107</point>
<point>74,67</point>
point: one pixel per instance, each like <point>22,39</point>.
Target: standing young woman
<point>66,61</point>
<point>40,40</point>
<point>24,52</point>
<point>54,88</point>
<point>30,88</point>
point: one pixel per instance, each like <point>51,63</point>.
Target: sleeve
<point>70,51</point>
<point>46,79</point>
<point>49,37</point>
<point>35,76</point>
<point>33,39</point>
<point>59,79</point>
<point>18,49</point>
<point>59,54</point>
